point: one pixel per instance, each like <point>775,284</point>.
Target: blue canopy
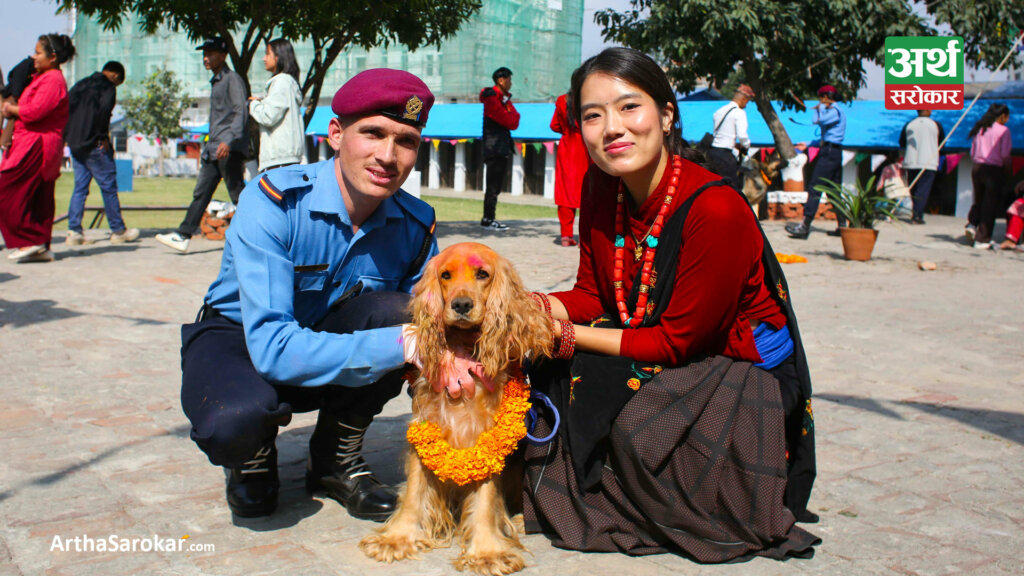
<point>451,121</point>
<point>869,125</point>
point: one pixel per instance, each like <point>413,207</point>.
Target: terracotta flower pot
<point>858,243</point>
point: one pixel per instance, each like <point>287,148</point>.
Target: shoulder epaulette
<point>418,209</point>
<point>277,183</point>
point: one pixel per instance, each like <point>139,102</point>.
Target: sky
<point>23,21</point>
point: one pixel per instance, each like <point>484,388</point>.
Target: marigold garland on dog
<point>487,457</point>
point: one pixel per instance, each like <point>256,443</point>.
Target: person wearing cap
<point>829,166</point>
<point>500,119</point>
<point>307,310</point>
<point>730,136</point>
<point>223,156</point>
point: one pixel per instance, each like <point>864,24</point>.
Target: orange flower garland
<point>789,258</point>
<point>487,457</point>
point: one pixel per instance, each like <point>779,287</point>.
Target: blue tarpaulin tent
<point>451,121</point>
<point>869,126</point>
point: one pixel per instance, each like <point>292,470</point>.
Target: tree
<point>332,26</point>
<point>157,112</point>
<point>789,48</point>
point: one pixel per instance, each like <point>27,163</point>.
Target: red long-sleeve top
<point>503,113</point>
<point>719,285</point>
<point>42,115</point>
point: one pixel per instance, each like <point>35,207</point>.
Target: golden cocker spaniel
<point>470,302</point>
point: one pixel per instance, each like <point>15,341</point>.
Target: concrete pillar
<point>460,167</point>
<point>434,168</point>
<point>964,186</point>
<point>412,183</point>
<point>549,174</point>
<point>517,173</point>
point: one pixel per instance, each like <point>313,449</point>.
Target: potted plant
<point>861,207</point>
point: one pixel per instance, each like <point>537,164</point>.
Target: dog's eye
<point>482,275</point>
<point>446,275</point>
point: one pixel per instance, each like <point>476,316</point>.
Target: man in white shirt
<point>730,136</point>
<point>920,139</point>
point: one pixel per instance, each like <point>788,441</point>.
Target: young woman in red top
<point>32,165</point>
<point>671,284</point>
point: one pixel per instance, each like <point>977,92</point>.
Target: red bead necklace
<point>651,241</point>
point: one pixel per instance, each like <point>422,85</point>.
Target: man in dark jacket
<point>91,102</point>
<point>224,153</point>
<point>500,118</point>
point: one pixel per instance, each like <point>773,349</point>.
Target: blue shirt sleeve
<point>281,350</point>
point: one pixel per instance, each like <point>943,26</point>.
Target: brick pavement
<point>920,416</point>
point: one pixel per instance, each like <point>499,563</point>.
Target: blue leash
<point>531,419</point>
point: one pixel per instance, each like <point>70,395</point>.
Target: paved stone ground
<point>920,415</point>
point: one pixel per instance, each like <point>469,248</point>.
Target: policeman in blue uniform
<point>306,312</point>
<point>829,165</point>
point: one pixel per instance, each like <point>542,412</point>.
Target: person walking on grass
<point>87,134</point>
<point>224,153</point>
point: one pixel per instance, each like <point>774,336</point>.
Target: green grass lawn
<point>178,192</point>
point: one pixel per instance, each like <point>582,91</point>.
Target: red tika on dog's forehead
<point>474,254</point>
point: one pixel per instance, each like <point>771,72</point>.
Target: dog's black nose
<point>462,305</point>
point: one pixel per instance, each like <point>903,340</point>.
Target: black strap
<point>666,259</point>
<point>722,121</point>
<point>417,264</point>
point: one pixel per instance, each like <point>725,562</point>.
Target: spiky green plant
<point>863,206</point>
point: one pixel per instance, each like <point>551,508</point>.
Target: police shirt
<point>832,122</point>
<point>291,251</point>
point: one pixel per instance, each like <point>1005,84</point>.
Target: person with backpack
<point>730,140</point>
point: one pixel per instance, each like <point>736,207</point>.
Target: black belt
<point>207,312</point>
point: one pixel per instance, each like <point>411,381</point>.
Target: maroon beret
<point>827,89</point>
<point>396,94</point>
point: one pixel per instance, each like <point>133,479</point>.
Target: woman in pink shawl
<point>32,165</point>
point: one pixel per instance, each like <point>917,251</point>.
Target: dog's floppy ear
<point>427,312</point>
<point>514,327</point>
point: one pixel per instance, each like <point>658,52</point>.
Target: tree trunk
<point>783,144</point>
<point>316,74</point>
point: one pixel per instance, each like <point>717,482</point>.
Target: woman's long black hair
<point>58,45</point>
<point>995,110</point>
<point>641,71</point>
<point>285,55</point>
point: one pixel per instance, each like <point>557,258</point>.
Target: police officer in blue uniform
<point>306,312</point>
<point>832,122</point>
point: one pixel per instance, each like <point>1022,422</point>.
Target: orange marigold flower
<point>493,446</point>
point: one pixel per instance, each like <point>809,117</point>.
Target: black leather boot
<point>252,487</point>
<point>336,467</point>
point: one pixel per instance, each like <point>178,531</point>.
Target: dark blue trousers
<point>829,166</point>
<point>921,190</point>
<point>234,411</point>
<point>98,164</point>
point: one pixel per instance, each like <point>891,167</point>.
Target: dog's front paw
<point>392,547</point>
<point>491,564</point>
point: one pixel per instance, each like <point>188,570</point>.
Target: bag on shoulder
<point>704,145</point>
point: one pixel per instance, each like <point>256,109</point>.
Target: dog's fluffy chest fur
<point>461,420</point>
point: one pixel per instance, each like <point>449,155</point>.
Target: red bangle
<point>567,341</point>
<point>543,301</point>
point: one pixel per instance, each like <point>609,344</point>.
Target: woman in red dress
<point>571,163</point>
<point>681,382</point>
<point>32,165</point>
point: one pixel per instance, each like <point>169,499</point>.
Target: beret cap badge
<point>413,107</point>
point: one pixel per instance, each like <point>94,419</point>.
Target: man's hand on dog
<point>460,373</point>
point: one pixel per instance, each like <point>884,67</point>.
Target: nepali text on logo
<point>924,73</point>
